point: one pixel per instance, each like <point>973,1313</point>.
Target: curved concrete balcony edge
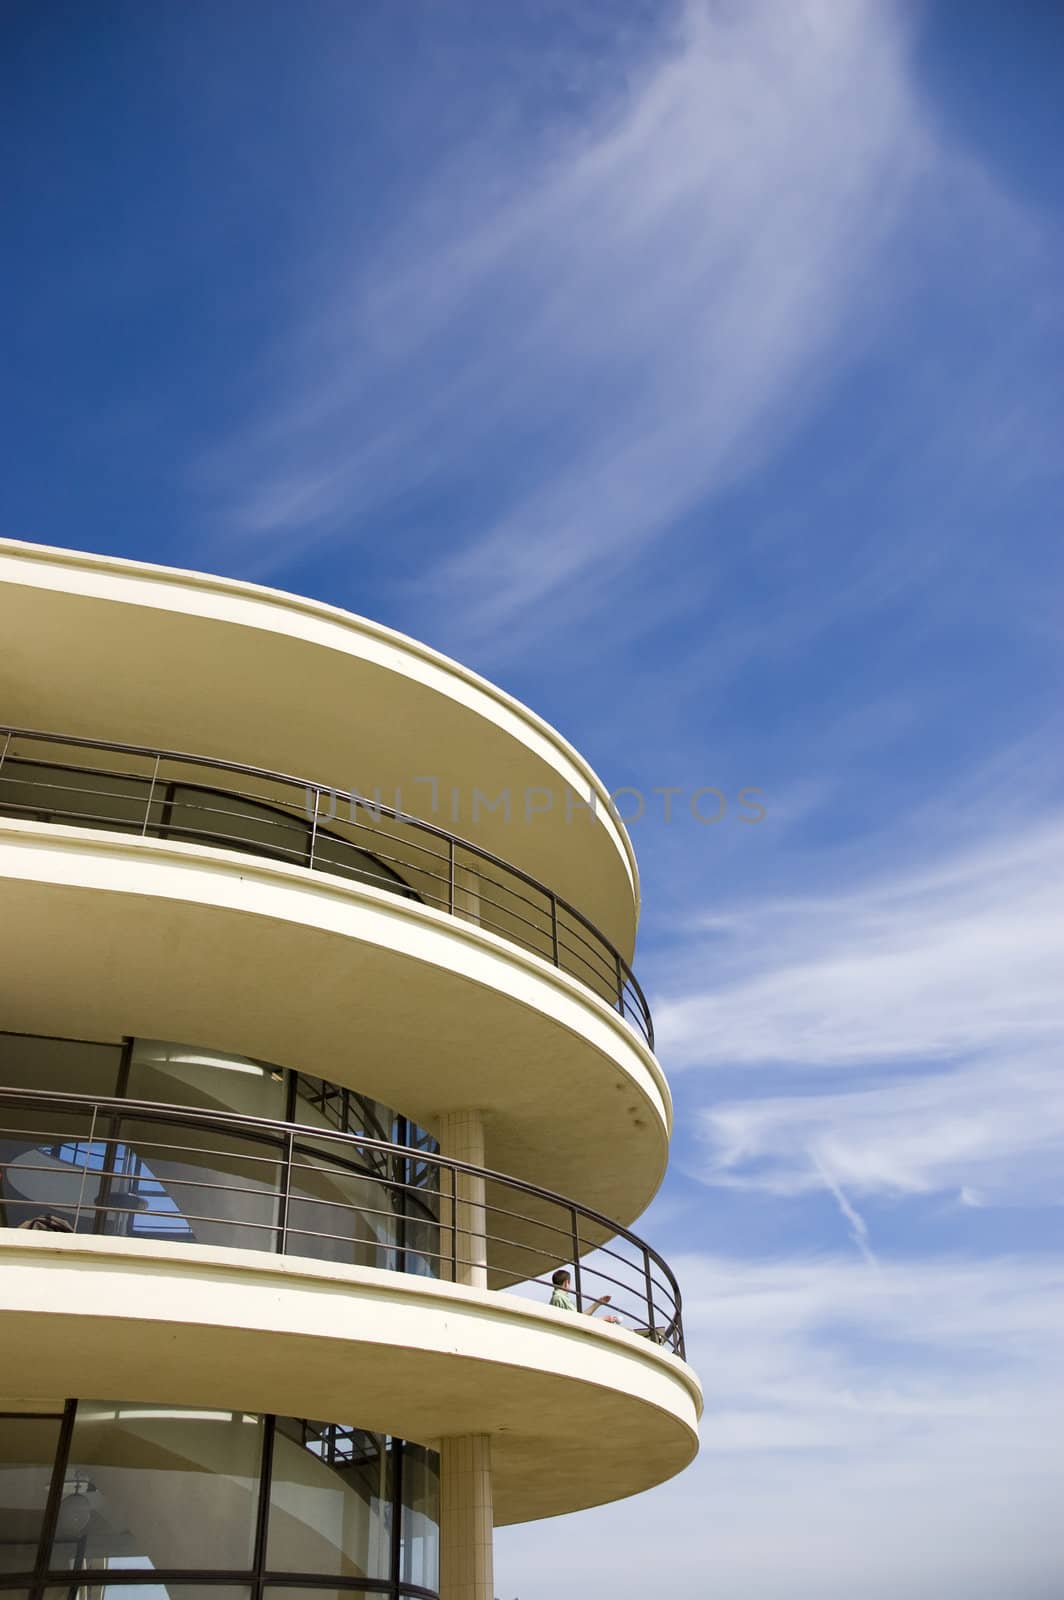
<point>163,937</point>
<point>165,794</point>
<point>237,607</point>
<point>611,1413</point>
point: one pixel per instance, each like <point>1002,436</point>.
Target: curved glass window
<point>302,1192</point>
<point>110,1496</point>
<point>30,1443</point>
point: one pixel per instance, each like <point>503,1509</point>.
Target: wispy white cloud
<point>956,957</point>
<point>882,1433</point>
<point>817,1335</point>
<point>936,984</point>
<point>995,1131</point>
<point>643,310</point>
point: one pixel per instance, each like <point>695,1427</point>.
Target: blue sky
<point>694,372</point>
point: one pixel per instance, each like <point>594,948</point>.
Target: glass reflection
<point>91,1588</point>
<point>419,1523</point>
<point>330,1501</point>
<point>186,1183</point>
<point>149,1490</point>
<point>135,1177</point>
<point>158,1486</point>
<point>27,1450</point>
<point>185,1075</point>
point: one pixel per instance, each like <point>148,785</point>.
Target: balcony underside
<point>117,649</point>
<point>107,935</point>
<point>580,1412</point>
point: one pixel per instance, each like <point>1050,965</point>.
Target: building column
<point>466,1522</point>
<point>461,1135</point>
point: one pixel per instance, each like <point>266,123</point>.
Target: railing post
<point>577,1284</point>
<point>450,882</point>
<point>286,1192</point>
<point>400,1198</point>
<point>314,826</point>
<point>108,1172</point>
<point>454,1224</point>
<point>650,1291</point>
<point>554,927</point>
<point>151,797</point>
<point>85,1168</point>
<point>620,982</point>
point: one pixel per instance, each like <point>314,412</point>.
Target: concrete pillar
<point>462,1137</point>
<point>466,1521</point>
<point>465,1463</point>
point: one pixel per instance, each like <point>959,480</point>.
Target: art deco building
<point>320,1053</point>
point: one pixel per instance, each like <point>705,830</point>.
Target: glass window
<point>291,1591</point>
<point>420,1525</point>
<point>194,1185</point>
<point>338,1211</point>
<point>44,1162</point>
<point>159,1487</point>
<point>151,1489</point>
<point>223,817</point>
<point>337,855</point>
<point>185,1075</point>
<point>93,1589</point>
<point>330,1105</point>
<point>201,1185</point>
<point>330,1501</point>
<point>131,1176</point>
<point>66,1066</point>
<point>27,1453</point>
<point>51,791</point>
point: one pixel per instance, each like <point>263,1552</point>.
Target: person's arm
<point>603,1300</point>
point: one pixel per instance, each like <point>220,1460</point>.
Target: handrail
<point>527,913</point>
<point>140,1176</point>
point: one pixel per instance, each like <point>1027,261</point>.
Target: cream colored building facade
<point>320,1054</point>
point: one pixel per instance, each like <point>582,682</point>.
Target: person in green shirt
<point>564,1298</point>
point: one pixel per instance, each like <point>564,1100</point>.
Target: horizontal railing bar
<point>106,1208</point>
<point>51,813</point>
<point>134,1110</point>
<point>171,1181</point>
<point>484,878</point>
<point>640,1014</point>
<point>626,1296</point>
<point>339,1168</point>
<point>115,1207</point>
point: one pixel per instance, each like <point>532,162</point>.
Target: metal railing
<point>138,1169</point>
<point>168,794</point>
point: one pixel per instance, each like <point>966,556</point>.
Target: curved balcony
<point>191,661</point>
<point>119,1168</point>
<point>172,795</point>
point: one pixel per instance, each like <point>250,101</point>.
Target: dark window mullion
<point>110,1151</point>
<point>397,1516</point>
<point>262,1519</point>
<point>166,813</point>
<point>55,1498</point>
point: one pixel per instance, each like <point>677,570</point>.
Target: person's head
<point>560,1279</point>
